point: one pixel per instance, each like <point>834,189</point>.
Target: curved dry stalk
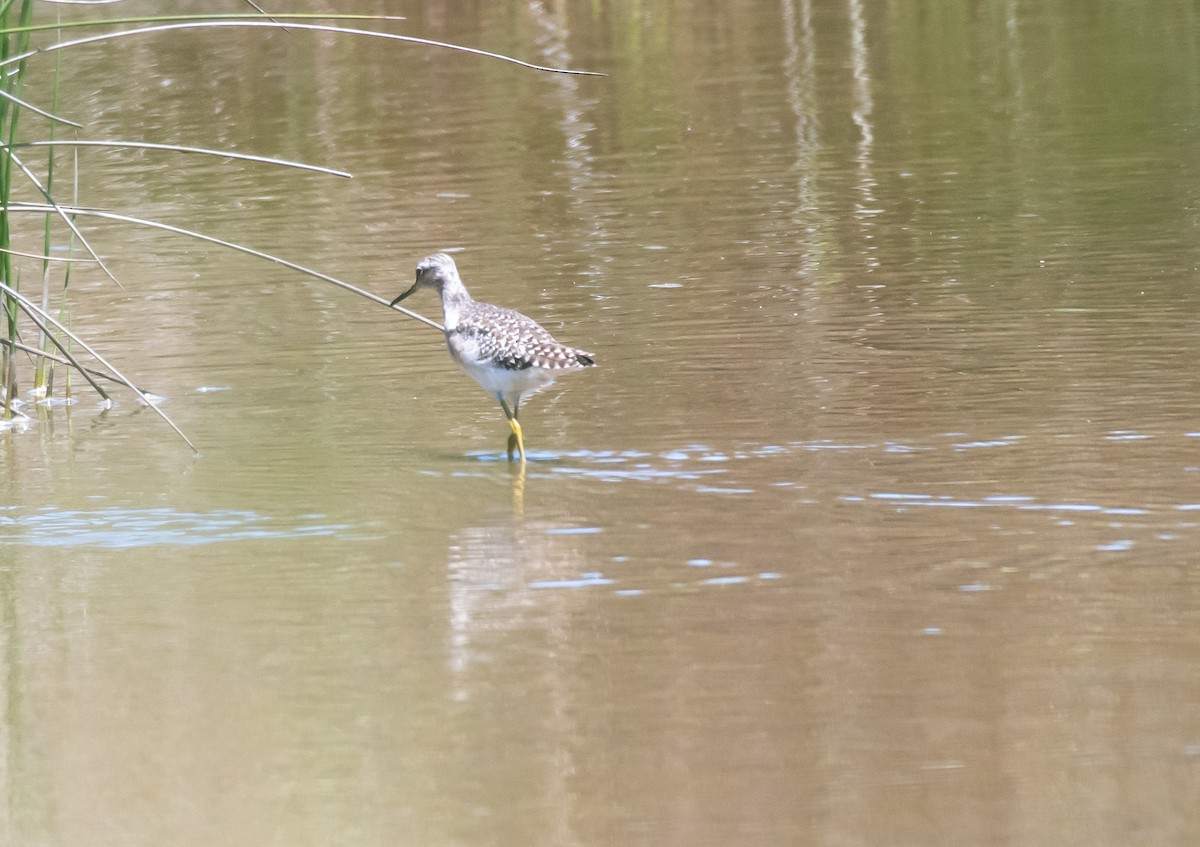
<point>281,16</point>
<point>182,148</point>
<point>12,252</point>
<point>14,98</point>
<point>42,354</point>
<point>40,317</point>
<point>62,214</point>
<point>261,11</point>
<point>208,24</point>
<point>250,251</point>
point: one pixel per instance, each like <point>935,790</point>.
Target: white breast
<point>496,380</point>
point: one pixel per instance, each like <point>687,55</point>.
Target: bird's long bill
<point>405,294</point>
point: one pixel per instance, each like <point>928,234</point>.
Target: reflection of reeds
<point>55,340</point>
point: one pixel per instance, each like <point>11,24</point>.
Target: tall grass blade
<point>10,83</point>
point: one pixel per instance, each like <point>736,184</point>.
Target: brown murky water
<point>878,523</point>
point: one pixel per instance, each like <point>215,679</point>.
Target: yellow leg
<point>518,437</point>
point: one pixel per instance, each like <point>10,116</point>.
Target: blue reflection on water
<point>118,527</point>
<point>585,581</point>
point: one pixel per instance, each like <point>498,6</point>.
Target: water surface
<point>877,523</point>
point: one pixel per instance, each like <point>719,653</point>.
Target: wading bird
<point>510,355</point>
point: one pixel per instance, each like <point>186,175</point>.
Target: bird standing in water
<point>507,353</point>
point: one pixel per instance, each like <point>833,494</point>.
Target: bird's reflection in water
<point>518,490</point>
<point>500,580</point>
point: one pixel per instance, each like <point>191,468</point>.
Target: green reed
<point>10,84</point>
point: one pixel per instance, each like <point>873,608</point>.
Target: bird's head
<point>434,272</point>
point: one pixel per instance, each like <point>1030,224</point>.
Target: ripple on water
<point>769,470</point>
<point>121,528</point>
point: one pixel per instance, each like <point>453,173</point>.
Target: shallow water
<point>877,523</point>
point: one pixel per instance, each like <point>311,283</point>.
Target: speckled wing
<point>509,340</point>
